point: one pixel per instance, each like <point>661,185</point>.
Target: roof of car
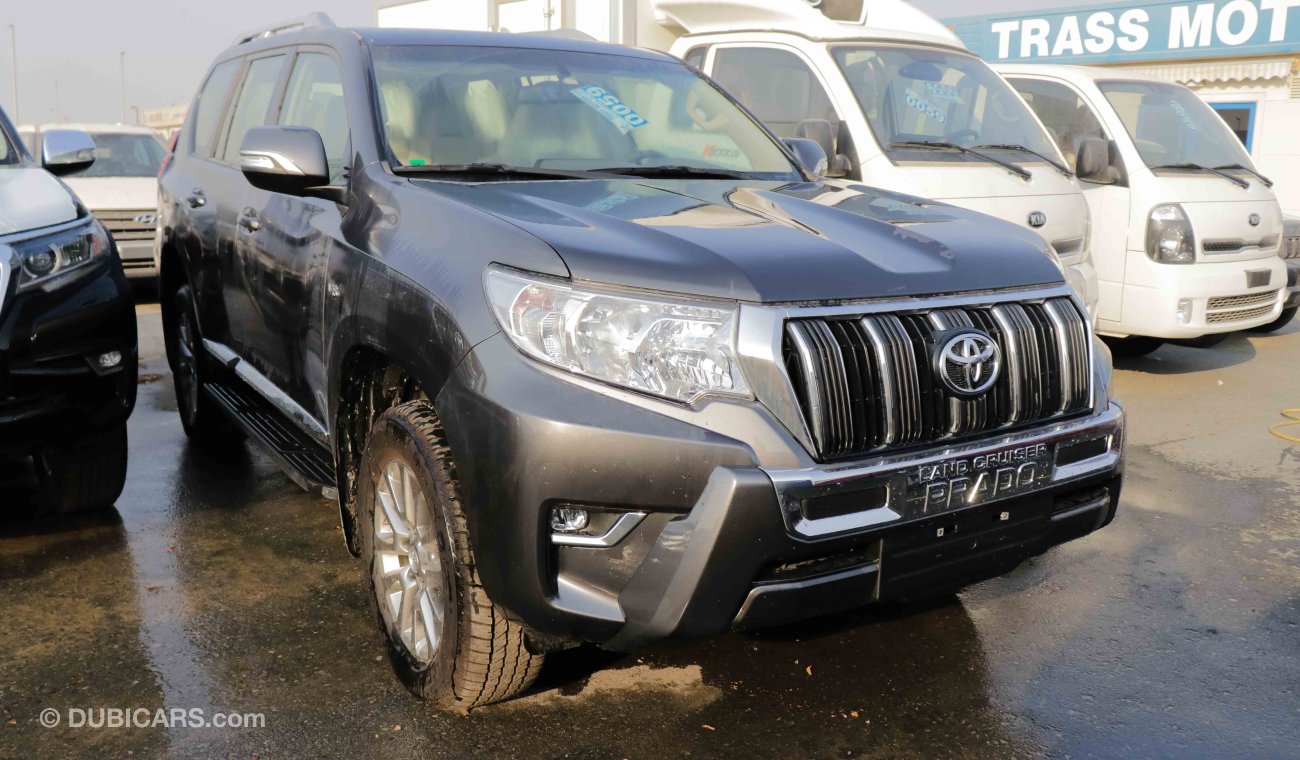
<point>1064,71</point>
<point>560,41</point>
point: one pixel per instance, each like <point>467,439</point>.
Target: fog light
<point>109,359</point>
<point>1185,311</point>
<point>568,519</point>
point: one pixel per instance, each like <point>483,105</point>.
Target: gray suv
<point>586,354</point>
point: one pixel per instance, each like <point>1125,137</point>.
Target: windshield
<point>1170,125</point>
<point>119,155</point>
<point>8,154</point>
<point>549,109</point>
<point>914,94</point>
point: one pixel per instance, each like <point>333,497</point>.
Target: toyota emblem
<point>968,363</point>
<point>1254,220</point>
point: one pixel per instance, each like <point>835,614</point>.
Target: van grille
<point>1291,247</point>
<point>124,227</point>
<point>1234,308</point>
<point>866,383</point>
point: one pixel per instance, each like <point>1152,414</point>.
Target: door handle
<point>249,221</point>
<point>196,198</point>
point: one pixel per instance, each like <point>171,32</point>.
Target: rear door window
<point>210,104</point>
<point>254,100</point>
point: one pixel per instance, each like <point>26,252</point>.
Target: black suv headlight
<point>54,259</point>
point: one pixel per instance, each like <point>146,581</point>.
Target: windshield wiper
<point>1238,181</point>
<point>1267,182</point>
<point>1062,168</point>
<point>1024,173</point>
<point>672,171</point>
<point>503,170</point>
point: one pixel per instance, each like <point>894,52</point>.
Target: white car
<point>1188,231</point>
<point>121,188</point>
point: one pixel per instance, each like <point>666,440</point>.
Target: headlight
<point>42,261</point>
<point>1169,236</point>
<point>678,349</point>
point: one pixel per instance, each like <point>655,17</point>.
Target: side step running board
<point>304,460</point>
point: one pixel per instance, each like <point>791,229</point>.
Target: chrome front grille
<point>1290,247</point>
<point>125,225</point>
<point>867,383</point>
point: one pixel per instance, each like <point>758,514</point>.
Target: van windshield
<point>123,155</point>
<point>1169,124</point>
<point>446,106</point>
<point>8,154</point>
<point>913,95</point>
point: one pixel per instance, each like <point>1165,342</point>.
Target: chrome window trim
<point>761,331</point>
<point>6,266</point>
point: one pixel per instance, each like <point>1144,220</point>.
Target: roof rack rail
<point>317,19</point>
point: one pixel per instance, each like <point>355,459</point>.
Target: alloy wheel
<point>407,571</point>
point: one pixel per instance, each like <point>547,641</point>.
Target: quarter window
<point>314,98</point>
<point>1068,119</point>
<point>776,85</point>
<point>254,100</point>
<point>207,111</point>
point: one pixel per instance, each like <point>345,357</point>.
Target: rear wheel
<point>1133,347</point>
<point>202,419</point>
<point>1283,320</point>
<point>446,640</point>
<point>86,475</point>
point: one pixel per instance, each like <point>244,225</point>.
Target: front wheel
<point>446,640</point>
<point>86,475</point>
<point>1282,320</point>
<point>204,422</point>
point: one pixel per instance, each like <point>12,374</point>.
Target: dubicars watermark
<point>147,717</point>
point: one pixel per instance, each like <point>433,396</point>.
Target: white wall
<point>1275,146</point>
<point>437,14</point>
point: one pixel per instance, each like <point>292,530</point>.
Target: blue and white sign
<point>1151,31</point>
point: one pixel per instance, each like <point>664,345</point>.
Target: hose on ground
<point>1293,422</point>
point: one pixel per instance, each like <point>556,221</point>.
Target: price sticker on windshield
<point>920,104</point>
<point>607,104</point>
<point>944,92</point>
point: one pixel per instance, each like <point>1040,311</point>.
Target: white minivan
<point>896,101</point>
<point>1187,232</point>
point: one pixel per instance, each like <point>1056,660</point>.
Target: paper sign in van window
<point>944,91</point>
<point>920,104</point>
<point>607,104</point>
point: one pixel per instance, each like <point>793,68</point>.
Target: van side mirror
<point>821,132</point>
<point>289,160</point>
<point>66,151</point>
<point>809,154</point>
<point>1092,162</point>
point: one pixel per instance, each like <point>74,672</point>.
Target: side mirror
<point>821,132</point>
<point>66,151</point>
<point>809,154</point>
<point>1092,162</point>
<point>289,160</point>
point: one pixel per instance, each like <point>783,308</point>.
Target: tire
<point>204,422</point>
<point>1133,347</point>
<point>84,476</point>
<point>479,656</point>
<point>1282,320</point>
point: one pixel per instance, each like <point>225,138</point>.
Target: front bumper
<point>1292,298</point>
<point>137,258</point>
<point>723,543</point>
<point>51,389</point>
<point>1152,291</point>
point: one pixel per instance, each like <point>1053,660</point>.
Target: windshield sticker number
<point>607,104</point>
<point>944,92</point>
<point>1182,114</point>
<point>920,104</point>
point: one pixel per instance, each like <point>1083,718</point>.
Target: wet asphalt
<point>221,586</point>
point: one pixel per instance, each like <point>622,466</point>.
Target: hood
<point>31,198</point>
<point>764,241</point>
<point>115,193</point>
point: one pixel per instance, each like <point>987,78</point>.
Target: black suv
<point>586,354</point>
<point>67,328</point>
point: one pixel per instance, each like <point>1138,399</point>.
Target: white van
<point>1188,232</point>
<point>896,101</point>
<point>121,188</point>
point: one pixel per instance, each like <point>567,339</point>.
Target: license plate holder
<point>967,481</point>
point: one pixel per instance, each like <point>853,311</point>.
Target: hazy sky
<point>170,43</point>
